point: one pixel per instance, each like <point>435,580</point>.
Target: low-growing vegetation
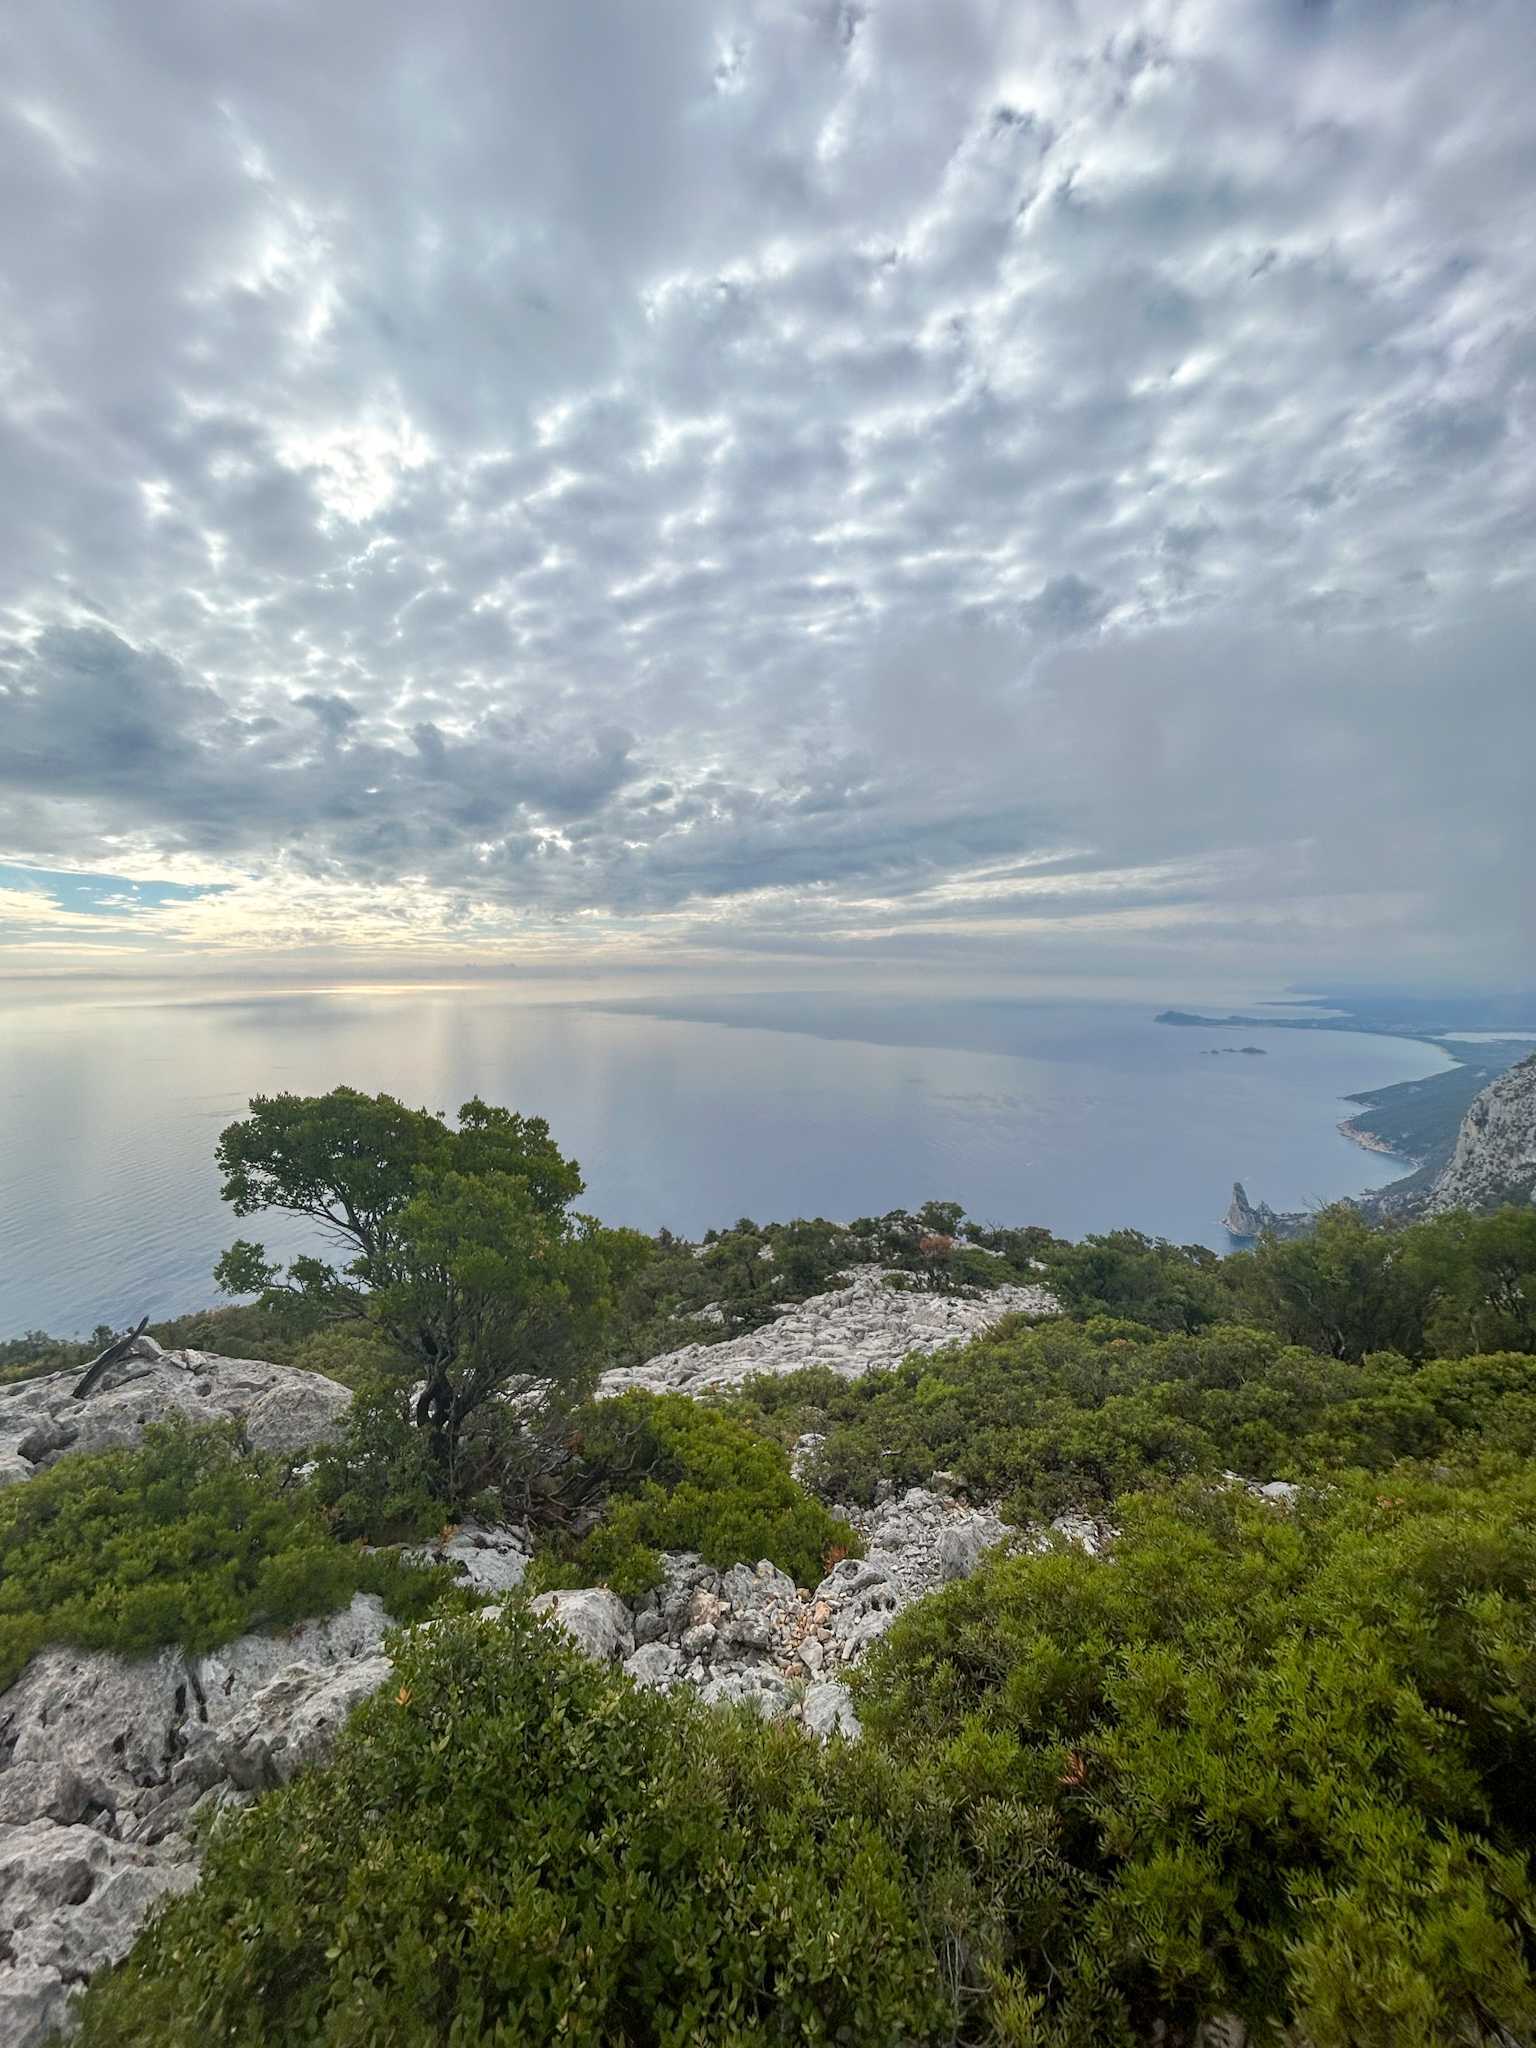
<point>186,1539</point>
<point>513,1846</point>
<point>1270,1764</point>
<point>1064,1415</point>
<point>673,1474</point>
<point>1269,1760</point>
<point>1286,1760</point>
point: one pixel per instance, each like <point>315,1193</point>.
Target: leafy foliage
<point>1144,1279</point>
<point>514,1846</point>
<point>1063,1416</point>
<point>738,1279</point>
<point>464,1251</point>
<point>1453,1284</point>
<point>1289,1757</point>
<point>183,1540</point>
<point>679,1476</point>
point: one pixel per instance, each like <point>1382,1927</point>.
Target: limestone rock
<point>33,2003</point>
<point>1495,1156</point>
<point>303,1410</point>
<point>282,1408</point>
<point>763,1691</point>
<point>654,1664</point>
<point>827,1710</point>
<point>854,1329</point>
<point>106,1716</point>
<point>228,1679</point>
<point>596,1620</point>
<point>294,1720</point>
<point>38,1791</point>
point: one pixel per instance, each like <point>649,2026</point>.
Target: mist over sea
<point>1081,1116</point>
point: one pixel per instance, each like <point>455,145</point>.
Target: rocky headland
<point>1492,1162</point>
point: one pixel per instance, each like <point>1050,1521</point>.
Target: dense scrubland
<point>1269,1759</point>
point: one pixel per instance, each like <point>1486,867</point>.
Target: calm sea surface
<point>1078,1116</point>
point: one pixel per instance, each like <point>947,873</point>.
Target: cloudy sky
<point>769,485</point>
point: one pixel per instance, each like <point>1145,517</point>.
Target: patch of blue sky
<point>102,895</point>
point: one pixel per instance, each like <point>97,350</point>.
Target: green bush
<point>1124,1273</point>
<point>680,1476</point>
<point>1275,1764</point>
<point>377,1482</point>
<point>1291,1758</point>
<point>1061,1416</point>
<point>513,1846</point>
<point>183,1540</point>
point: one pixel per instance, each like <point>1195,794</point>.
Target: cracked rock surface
<point>282,1408</point>
<point>855,1329</point>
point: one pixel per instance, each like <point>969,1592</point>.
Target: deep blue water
<point>1081,1116</point>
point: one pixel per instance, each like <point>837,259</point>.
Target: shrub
<point>1289,1757</point>
<point>1067,1416</point>
<point>183,1540</point>
<point>680,1476</point>
<point>512,1845</point>
<point>1124,1273</point>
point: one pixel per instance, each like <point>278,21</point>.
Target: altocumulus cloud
<point>1004,485</point>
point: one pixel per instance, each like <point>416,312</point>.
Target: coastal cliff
<point>1495,1157</point>
<point>1492,1163</point>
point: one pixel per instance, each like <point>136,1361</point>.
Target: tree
<point>1480,1272</point>
<point>1345,1289</point>
<point>1146,1279</point>
<point>465,1251</point>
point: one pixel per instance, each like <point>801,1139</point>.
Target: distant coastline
<point>1413,1121</point>
<point>1371,1143</point>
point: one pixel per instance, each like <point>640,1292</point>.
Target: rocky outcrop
<point>1495,1157</point>
<point>107,1766</point>
<point>110,1766</point>
<point>862,1327</point>
<point>281,1409</point>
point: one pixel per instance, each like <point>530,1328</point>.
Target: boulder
<point>654,1664</point>
<point>33,2005</point>
<point>38,1791</point>
<point>303,1410</point>
<point>492,1560</point>
<point>282,1408</point>
<point>960,1548</point>
<point>43,1865</point>
<point>827,1710</point>
<point>596,1620</point>
<point>107,1716</point>
<point>763,1691</point>
<point>229,1678</point>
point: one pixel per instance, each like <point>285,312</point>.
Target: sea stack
<point>1242,1220</point>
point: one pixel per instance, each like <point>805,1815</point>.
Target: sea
<point>1082,1116</point>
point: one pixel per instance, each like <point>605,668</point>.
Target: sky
<point>848,488</point>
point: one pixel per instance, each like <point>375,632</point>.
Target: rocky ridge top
<point>863,1326</point>
<point>110,1767</point>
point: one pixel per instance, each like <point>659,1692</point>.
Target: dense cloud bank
<point>779,479</point>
